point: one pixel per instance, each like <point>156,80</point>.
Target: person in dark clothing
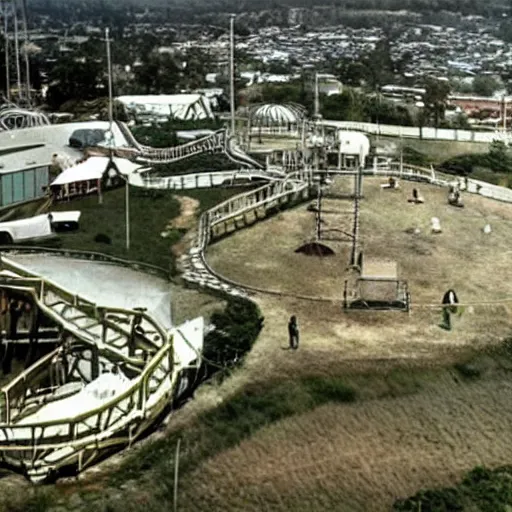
<point>450,297</point>
<point>33,335</point>
<point>293,333</point>
<point>15,310</point>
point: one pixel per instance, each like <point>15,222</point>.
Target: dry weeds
<point>361,457</point>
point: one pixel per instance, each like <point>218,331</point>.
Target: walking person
<point>293,333</point>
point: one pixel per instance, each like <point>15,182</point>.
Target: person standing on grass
<point>293,333</point>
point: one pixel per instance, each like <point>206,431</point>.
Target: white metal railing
<point>220,141</point>
<point>417,132</point>
<point>203,180</point>
<point>40,446</point>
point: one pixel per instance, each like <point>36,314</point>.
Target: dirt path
<point>187,217</point>
<point>186,220</point>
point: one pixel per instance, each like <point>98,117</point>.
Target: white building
<point>353,148</point>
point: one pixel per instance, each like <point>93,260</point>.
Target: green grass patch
<point>149,216</point>
<point>481,490</point>
<point>150,212</point>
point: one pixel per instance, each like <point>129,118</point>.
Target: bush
<point>329,389</point>
<point>101,238</point>
<point>236,329</point>
<point>468,370</point>
<point>441,500</point>
<point>482,489</point>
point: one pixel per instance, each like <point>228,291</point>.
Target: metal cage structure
<point>377,288</point>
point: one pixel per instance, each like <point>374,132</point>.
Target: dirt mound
<point>315,249</point>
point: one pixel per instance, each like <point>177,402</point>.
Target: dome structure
<point>274,114</point>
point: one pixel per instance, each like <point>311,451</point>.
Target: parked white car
<point>38,227</point>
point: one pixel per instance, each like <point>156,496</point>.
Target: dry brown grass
<point>462,257</point>
<point>361,457</point>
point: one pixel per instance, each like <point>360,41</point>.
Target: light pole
<point>113,173</point>
<point>109,66</point>
<point>17,51</point>
<point>232,71</point>
<point>27,60</point>
<point>110,109</point>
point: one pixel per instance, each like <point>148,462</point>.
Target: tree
<point>435,99</point>
<point>75,78</point>
<point>159,73</point>
<point>485,85</point>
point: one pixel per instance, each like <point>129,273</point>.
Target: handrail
<point>77,301</point>
<point>139,381</point>
<point>150,268</point>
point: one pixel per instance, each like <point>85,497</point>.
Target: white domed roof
<point>275,114</point>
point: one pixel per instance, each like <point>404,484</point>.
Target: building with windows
<point>26,155</point>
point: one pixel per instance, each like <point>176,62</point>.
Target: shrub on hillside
<point>439,500</point>
<point>236,329</point>
<point>497,159</point>
<point>482,489</point>
<point>101,238</point>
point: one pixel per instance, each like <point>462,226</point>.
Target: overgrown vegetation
<point>164,135</point>
<point>494,166</point>
<point>468,370</point>
<point>482,490</point>
<point>236,329</point>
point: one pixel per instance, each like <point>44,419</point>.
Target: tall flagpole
<point>232,70</point>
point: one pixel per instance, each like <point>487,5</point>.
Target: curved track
<point>99,331</point>
<point>13,117</point>
<point>230,215</point>
<point>53,444</point>
<point>218,142</point>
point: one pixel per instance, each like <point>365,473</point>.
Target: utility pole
<point>25,36</point>
<point>232,70</point>
<point>109,71</point>
<point>17,51</point>
<point>355,228</point>
<point>504,114</point>
<point>317,98</point>
<point>319,212</point>
<point>5,12</point>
